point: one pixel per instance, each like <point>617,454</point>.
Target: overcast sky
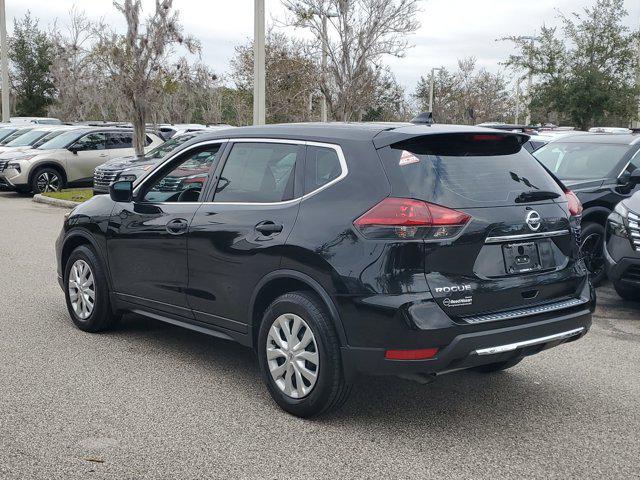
<point>451,29</point>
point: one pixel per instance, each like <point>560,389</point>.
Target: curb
<point>55,202</point>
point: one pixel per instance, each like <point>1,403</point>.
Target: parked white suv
<point>69,159</point>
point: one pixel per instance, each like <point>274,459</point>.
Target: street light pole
<point>433,77</point>
<point>5,63</point>
<point>259,70</point>
<point>529,77</point>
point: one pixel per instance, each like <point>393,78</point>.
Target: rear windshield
<point>582,161</point>
<point>464,170</point>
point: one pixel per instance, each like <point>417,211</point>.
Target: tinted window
<point>92,141</point>
<point>464,170</point>
<point>321,166</point>
<point>63,140</point>
<point>184,182</point>
<point>258,172</point>
<point>119,140</point>
<point>581,161</point>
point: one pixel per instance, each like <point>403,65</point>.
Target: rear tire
<point>592,250</point>
<point>498,366</point>
<point>47,179</point>
<point>307,380</point>
<point>87,293</point>
<point>626,292</point>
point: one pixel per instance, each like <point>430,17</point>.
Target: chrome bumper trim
<point>528,343</point>
<point>526,236</point>
<point>525,312</point>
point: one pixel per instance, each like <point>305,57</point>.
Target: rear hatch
<point>516,250</point>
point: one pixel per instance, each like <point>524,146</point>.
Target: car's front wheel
<point>592,251</point>
<point>47,180</point>
<point>86,291</point>
<point>299,356</point>
<point>627,292</point>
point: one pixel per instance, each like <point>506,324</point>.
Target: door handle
<point>177,226</point>
<point>268,228</point>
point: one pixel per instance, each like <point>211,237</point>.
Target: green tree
<point>585,70</point>
<point>31,55</point>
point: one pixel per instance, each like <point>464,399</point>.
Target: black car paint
<point>379,293</point>
<point>622,259</point>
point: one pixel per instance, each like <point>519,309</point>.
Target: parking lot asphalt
<point>151,400</point>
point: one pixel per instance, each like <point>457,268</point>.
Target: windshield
<point>582,161</point>
<point>5,132</point>
<point>47,137</point>
<point>62,141</point>
<point>14,135</point>
<point>27,139</point>
<point>161,150</point>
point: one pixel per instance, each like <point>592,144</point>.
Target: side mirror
<point>73,149</point>
<point>634,178</point>
<point>121,191</point>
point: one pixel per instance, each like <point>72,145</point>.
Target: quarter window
<point>184,181</point>
<point>322,166</point>
<point>258,173</point>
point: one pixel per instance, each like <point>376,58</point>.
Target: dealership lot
<point>155,401</point>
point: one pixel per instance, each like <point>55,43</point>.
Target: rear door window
<point>117,140</point>
<point>464,170</point>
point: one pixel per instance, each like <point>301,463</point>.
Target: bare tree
<point>292,78</point>
<point>360,33</point>
<point>467,95</point>
<point>136,62</point>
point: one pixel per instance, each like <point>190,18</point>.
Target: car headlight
<point>15,166</point>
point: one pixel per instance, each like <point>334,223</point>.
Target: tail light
<point>410,219</point>
<point>575,206</point>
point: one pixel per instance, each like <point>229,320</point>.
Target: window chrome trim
<point>629,162</point>
<point>338,149</point>
<point>526,236</point>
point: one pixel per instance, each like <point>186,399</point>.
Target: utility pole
<point>433,80</point>
<point>259,69</point>
<point>325,48</point>
<point>517,116</point>
<point>529,77</point>
<point>636,123</point>
<point>5,63</point>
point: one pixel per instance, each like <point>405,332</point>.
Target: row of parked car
<point>38,158</point>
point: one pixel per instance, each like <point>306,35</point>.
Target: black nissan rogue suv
<point>339,249</point>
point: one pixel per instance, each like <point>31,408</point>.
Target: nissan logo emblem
<point>533,220</point>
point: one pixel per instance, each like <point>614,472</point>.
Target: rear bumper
<point>478,348</point>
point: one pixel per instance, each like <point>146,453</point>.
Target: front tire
<point>86,291</point>
<point>299,355</point>
<point>626,292</point>
<point>592,250</point>
<point>47,179</point>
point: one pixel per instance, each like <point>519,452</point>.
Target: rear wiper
<point>535,195</point>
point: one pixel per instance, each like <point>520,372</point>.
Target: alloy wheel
<point>82,292</point>
<point>48,182</point>
<point>591,250</point>
<point>292,355</point>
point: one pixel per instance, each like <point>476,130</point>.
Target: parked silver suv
<point>68,159</point>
